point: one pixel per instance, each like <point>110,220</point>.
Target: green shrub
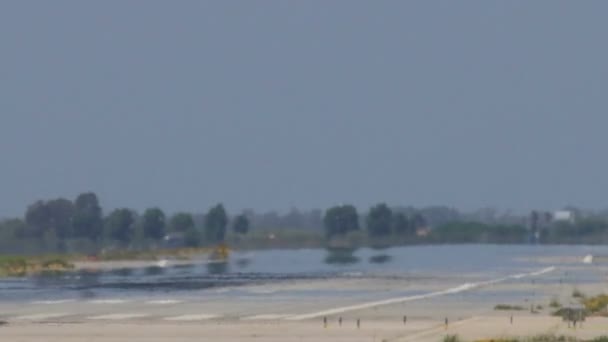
<point>555,303</point>
<point>596,304</point>
<point>550,338</point>
<point>576,293</point>
<point>13,266</point>
<point>600,339</point>
<point>506,307</point>
<point>452,338</point>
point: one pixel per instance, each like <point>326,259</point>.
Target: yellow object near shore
<point>221,252</point>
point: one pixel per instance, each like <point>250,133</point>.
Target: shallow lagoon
<point>482,262</point>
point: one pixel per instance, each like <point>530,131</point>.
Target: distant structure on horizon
<point>543,221</point>
<point>564,216</point>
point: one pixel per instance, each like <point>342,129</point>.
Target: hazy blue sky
<point>273,104</point>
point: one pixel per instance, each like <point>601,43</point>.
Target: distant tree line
<point>386,226</point>
<point>81,224</point>
<point>55,223</point>
<point>380,222</point>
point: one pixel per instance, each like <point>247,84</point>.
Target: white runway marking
<point>195,317</point>
<point>119,316</point>
<point>42,316</point>
<point>267,317</point>
<point>108,301</point>
<point>164,302</point>
<point>53,302</point>
<point>457,289</point>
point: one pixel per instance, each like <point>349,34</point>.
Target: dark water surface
<point>269,266</point>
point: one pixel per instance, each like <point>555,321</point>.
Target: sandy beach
<point>470,329</point>
<point>266,313</point>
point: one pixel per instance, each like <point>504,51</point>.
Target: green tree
<point>11,228</point>
<point>154,223</point>
<point>10,231</point>
<point>402,225</point>
<point>340,220</point>
<point>215,224</point>
<point>192,237</point>
<point>241,225</point>
<point>419,221</point>
<point>181,222</point>
<point>534,218</point>
<point>54,215</point>
<point>61,212</point>
<point>37,219</point>
<point>87,221</point>
<point>184,223</point>
<point>120,225</point>
<point>379,220</point>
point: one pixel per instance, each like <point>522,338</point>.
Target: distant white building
<point>563,216</point>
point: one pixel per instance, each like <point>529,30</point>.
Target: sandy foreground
<point>470,329</point>
<point>266,312</point>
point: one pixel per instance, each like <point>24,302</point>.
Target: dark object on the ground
<point>358,323</point>
<point>572,314</point>
<point>340,321</point>
<point>404,320</point>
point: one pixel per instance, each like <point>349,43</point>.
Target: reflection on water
<point>379,246</point>
<point>341,256</point>
<point>488,261</point>
<point>88,275</point>
<point>380,259</point>
<point>86,294</point>
<point>243,263</point>
<point>183,269</point>
<point>183,266</point>
<point>80,280</point>
<point>154,270</point>
<point>217,267</point>
<point>46,279</point>
<point>122,272</point>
